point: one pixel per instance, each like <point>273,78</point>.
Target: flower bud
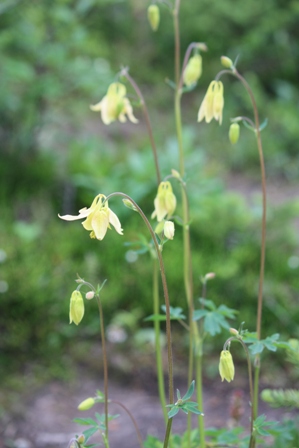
<point>226,366</point>
<point>233,332</point>
<point>169,230</point>
<point>153,15</point>
<point>86,404</point>
<point>210,275</point>
<point>81,439</point>
<point>226,62</point>
<point>129,204</point>
<point>193,70</point>
<point>175,173</point>
<point>76,307</point>
<point>89,295</point>
<point>234,132</point>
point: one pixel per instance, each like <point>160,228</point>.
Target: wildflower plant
<point>200,317</point>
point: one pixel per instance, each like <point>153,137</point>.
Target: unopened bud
<point>169,229</point>
<point>226,366</point>
<point>193,70</point>
<point>81,439</point>
<point>153,15</point>
<point>86,404</point>
<point>234,133</point>
<point>233,332</point>
<point>226,62</point>
<point>76,307</point>
<point>129,204</point>
<point>89,295</point>
<point>175,173</point>
<point>210,275</point>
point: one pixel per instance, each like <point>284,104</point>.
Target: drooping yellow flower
<point>212,104</point>
<point>193,70</point>
<point>165,202</point>
<point>98,218</point>
<point>226,366</point>
<point>76,307</point>
<point>115,105</point>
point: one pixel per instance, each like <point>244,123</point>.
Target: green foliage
<point>183,403</point>
<point>214,318</point>
<point>281,398</point>
<point>97,425</point>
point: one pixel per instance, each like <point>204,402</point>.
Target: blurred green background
<point>57,57</point>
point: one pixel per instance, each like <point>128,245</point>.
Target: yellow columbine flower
<point>115,105</point>
<point>213,102</point>
<point>165,202</point>
<point>226,366</point>
<point>193,70</point>
<point>76,307</point>
<point>98,218</point>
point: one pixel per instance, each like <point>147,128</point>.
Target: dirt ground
<point>44,418</point>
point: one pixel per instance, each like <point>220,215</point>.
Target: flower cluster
<point>213,102</point>
<point>98,218</point>
<point>115,105</point>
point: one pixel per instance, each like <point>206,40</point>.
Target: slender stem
<point>251,384</point>
<point>167,305</point>
<point>159,363</point>
<point>105,366</point>
<point>133,83</point>
<point>133,420</point>
<point>235,73</point>
<point>176,41</point>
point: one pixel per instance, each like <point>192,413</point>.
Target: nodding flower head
<point>226,366</point>
<point>212,104</point>
<point>76,307</point>
<point>165,202</point>
<point>115,105</point>
<point>98,218</point>
<point>193,70</point>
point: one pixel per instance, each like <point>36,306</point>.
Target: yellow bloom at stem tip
<point>98,218</point>
<point>212,104</point>
<point>115,105</point>
<point>165,202</point>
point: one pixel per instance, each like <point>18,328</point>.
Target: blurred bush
<point>56,58</point>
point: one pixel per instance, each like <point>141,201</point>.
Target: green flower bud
<point>226,366</point>
<point>153,15</point>
<point>81,439</point>
<point>86,404</point>
<point>234,133</point>
<point>226,62</point>
<point>76,307</point>
<point>193,70</point>
<point>234,332</point>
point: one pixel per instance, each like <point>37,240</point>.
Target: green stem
<point>105,367</point>
<point>159,362</point>
<point>252,384</point>
<point>133,83</point>
<point>199,396</point>
<point>167,305</point>
<point>133,420</point>
<point>235,73</point>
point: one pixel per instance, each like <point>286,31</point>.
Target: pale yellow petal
<point>97,107</point>
<point>113,219</point>
<point>100,223</point>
